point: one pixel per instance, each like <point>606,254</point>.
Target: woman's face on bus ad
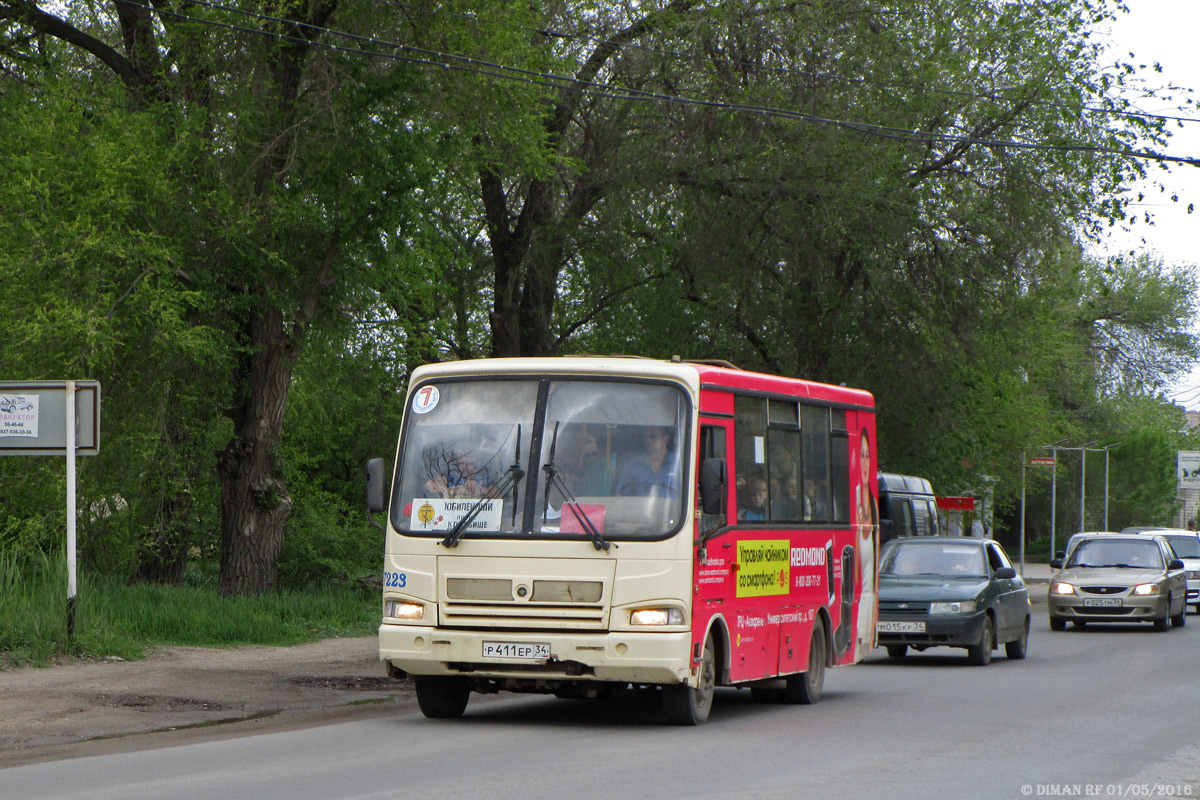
<point>864,462</point>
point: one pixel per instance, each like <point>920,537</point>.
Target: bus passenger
<point>756,502</point>
<point>815,493</point>
<point>787,505</point>
<point>656,472</point>
<point>459,475</point>
<point>583,465</point>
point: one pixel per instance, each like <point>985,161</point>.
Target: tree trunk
<point>255,503</point>
<point>163,550</point>
<point>165,560</point>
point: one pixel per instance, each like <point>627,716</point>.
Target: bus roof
<point>694,374</point>
<point>725,377</point>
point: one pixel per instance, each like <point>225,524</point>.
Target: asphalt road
<point>1105,712</point>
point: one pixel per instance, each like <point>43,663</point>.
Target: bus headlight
<point>402,609</point>
<point>656,616</point>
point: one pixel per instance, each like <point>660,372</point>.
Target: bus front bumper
<point>622,657</point>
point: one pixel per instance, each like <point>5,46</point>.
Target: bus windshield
<point>547,457</point>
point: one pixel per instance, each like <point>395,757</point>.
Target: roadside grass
<point>122,620</point>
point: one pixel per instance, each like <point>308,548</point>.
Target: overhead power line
<point>460,63</point>
<point>750,65</point>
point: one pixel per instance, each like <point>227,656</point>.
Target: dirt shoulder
<point>187,693</point>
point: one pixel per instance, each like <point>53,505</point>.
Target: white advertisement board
<point>1188,468</point>
<point>33,418</point>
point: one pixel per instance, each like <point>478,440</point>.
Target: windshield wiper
<point>554,478</point>
<point>510,479</point>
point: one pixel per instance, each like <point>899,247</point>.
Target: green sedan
<point>942,591</point>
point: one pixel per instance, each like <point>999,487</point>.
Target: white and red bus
<point>586,526</point>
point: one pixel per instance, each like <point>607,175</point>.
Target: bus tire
<point>442,696</point>
<point>684,705</point>
<point>805,687</point>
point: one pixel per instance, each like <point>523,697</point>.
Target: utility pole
<point>1053,448</point>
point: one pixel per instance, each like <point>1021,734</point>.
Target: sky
<point>1164,31</point>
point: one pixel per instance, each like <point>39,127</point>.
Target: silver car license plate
<point>1103,602</point>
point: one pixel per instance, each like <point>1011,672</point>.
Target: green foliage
<point>118,619</point>
<point>328,542</point>
<point>236,225</point>
<point>1143,484</point>
<point>100,299</point>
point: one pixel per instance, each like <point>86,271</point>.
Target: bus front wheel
<point>684,705</point>
<point>442,696</point>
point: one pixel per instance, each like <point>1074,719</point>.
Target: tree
<point>906,209</point>
<point>287,159</point>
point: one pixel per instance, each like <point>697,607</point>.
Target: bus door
<point>737,575</point>
<point>845,624</point>
<point>713,564</point>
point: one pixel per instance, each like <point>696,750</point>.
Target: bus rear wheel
<point>684,705</point>
<point>805,687</point>
<point>442,696</point>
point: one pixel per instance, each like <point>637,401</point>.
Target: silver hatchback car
<point>1119,578</point>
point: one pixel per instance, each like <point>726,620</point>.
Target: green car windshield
<point>934,558</point>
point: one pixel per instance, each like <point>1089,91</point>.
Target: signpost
<point>53,418</point>
<point>1035,461</point>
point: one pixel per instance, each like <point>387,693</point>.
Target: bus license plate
<point>533,651</point>
<point>1103,602</point>
<point>901,627</point>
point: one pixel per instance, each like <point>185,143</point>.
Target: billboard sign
<point>1188,468</point>
<point>33,418</point>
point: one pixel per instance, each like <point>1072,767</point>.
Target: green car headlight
<point>956,607</point>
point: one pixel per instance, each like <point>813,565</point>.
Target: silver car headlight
<point>1143,589</point>
<point>957,607</point>
<point>1060,588</point>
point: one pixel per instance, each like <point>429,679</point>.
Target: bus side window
<point>814,429</point>
<point>712,445</point>
<point>750,443</point>
<point>841,477</point>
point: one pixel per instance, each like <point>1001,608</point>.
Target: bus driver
<point>656,472</point>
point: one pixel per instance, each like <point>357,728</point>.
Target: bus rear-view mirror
<point>376,496</point>
<point>712,485</point>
